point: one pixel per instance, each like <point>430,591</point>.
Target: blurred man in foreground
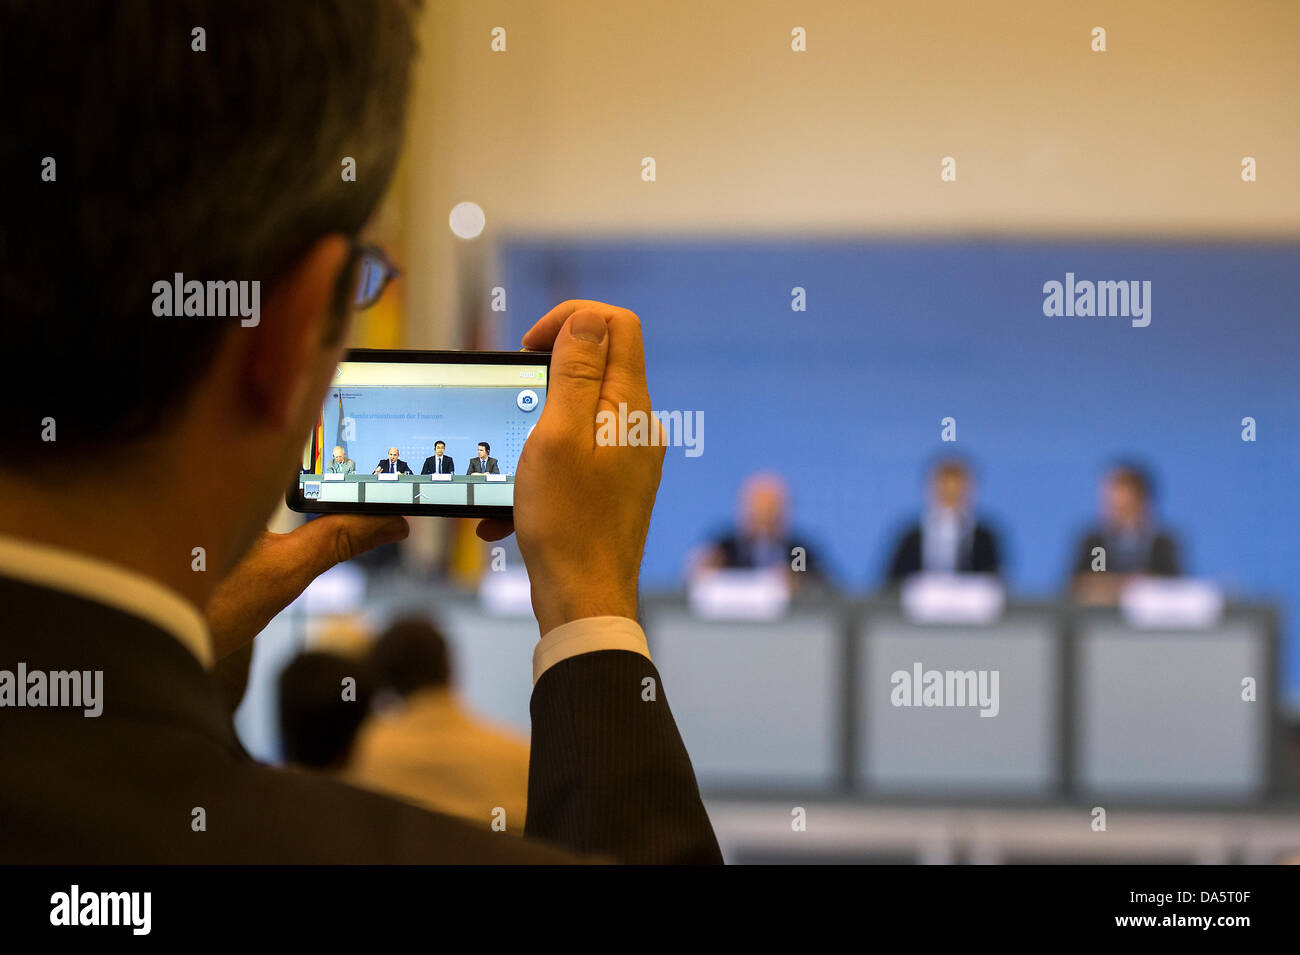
<point>949,538</point>
<point>323,700</point>
<point>428,748</point>
<point>226,165</point>
<point>1127,542</point>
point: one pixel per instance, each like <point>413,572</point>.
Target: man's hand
<point>582,510</point>
<point>278,567</point>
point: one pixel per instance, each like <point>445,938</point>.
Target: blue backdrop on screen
<point>846,399</point>
<point>412,419</point>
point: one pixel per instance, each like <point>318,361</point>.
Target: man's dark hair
<point>317,725</point>
<point>485,446</point>
<point>223,164</point>
<point>436,443</point>
<point>411,655</point>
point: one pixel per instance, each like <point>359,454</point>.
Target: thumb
<point>494,528</point>
<point>577,372</point>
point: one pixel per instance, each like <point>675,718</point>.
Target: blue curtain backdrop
<point>415,419</point>
<point>846,398</point>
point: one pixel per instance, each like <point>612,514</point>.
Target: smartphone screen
<point>422,432</point>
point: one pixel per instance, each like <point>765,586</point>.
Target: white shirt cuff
<point>588,635</point>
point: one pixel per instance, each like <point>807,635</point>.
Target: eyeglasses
<point>373,273</point>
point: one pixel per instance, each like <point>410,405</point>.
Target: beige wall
<point>751,138</point>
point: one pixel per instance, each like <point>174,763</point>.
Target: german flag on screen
<point>311,449</point>
<point>320,444</point>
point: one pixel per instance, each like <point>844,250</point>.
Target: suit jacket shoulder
<point>1164,559</point>
<point>984,556</point>
<point>130,785</point>
<point>906,559</point>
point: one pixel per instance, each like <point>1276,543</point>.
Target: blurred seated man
<point>341,463</point>
<point>439,462</point>
<point>948,539</point>
<point>1127,543</point>
<point>484,463</point>
<point>320,710</point>
<point>760,539</point>
<point>393,464</point>
<point>432,751</point>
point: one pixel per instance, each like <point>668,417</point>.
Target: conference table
<point>1088,706</point>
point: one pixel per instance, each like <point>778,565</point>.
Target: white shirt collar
<point>109,584</point>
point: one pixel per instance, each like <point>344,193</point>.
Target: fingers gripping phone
<point>422,432</point>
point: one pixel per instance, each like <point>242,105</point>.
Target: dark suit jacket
<point>608,773</point>
<point>402,466</point>
<point>737,551</point>
<point>978,554</point>
<point>448,465</point>
<point>1160,558</point>
<point>477,467</point>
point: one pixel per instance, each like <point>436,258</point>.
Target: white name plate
<point>388,476</point>
<point>496,477</point>
<point>972,599</point>
<point>1174,603</point>
<point>438,477</point>
<point>739,594</point>
<point>333,476</point>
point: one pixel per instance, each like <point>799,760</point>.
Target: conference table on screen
<point>461,489</point>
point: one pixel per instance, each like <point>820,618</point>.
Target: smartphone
<point>422,432</point>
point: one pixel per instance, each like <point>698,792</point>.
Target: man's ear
<point>282,353</point>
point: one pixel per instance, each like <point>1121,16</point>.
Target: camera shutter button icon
<point>527,400</point>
